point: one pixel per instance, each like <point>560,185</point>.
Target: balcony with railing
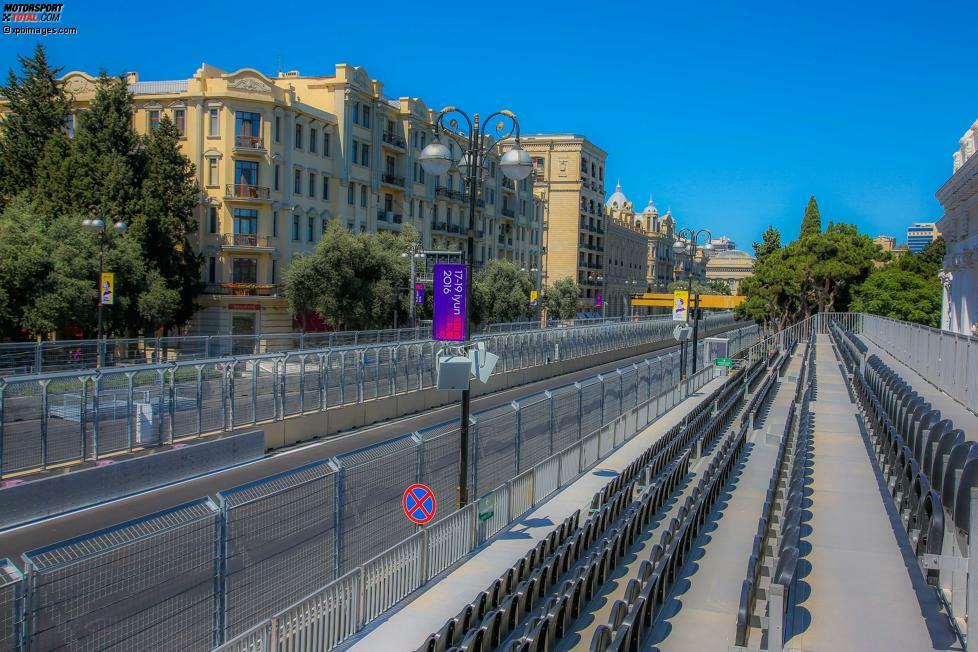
<point>508,212</point>
<point>247,192</point>
<point>249,241</point>
<point>509,184</point>
<point>242,289</point>
<point>392,180</point>
<point>454,195</point>
<point>393,139</point>
<point>248,143</point>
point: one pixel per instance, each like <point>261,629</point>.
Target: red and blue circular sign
<point>419,504</point>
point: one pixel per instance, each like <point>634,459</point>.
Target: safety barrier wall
<point>947,360</point>
<point>57,418</point>
<point>334,524</point>
<point>63,355</point>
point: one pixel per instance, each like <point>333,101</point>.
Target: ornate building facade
<point>959,226</point>
<point>277,158</point>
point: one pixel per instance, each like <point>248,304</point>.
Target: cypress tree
<point>37,110</point>
<point>811,224</point>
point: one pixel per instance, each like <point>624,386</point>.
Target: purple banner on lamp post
<point>597,300</point>
<point>419,294</point>
<point>450,298</point>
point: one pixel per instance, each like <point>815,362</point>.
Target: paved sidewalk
<point>859,587</point>
<point>407,628</point>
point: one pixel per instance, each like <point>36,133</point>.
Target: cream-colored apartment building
<point>277,158</point>
<point>568,180</point>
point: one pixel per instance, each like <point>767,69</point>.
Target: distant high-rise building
<point>886,242</point>
<point>921,234</point>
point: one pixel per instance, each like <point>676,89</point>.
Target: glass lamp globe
<point>679,246</point>
<point>120,227</point>
<point>516,163</point>
<point>436,158</point>
<point>708,246</point>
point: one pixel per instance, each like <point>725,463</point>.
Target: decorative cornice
<point>250,85</point>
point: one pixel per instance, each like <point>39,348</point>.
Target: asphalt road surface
<point>61,528</point>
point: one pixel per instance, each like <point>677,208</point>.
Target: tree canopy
<point>502,293</point>
<point>562,298</point>
<point>769,244</point>
<point>49,264</point>
<point>353,281</point>
<point>811,224</point>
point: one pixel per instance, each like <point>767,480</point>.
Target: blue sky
<point>730,113</point>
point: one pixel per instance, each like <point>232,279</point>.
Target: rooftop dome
<point>733,253</point>
<point>651,209</point>
<point>617,199</point>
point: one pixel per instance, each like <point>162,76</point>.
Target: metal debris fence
<point>325,546</point>
<point>69,416</point>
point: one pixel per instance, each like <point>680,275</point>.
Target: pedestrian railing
<point>70,416</point>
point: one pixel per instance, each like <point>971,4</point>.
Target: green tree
<point>837,260</point>
<point>562,299</point>
<point>811,224</point>
<point>502,293</point>
<point>354,282</point>
<point>166,227</point>
<point>716,286</point>
<point>770,243</point>
<point>36,110</point>
<point>710,287</point>
<point>901,294</point>
<point>928,262</point>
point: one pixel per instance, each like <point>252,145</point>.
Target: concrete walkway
<point>859,587</point>
<point>702,612</point>
<point>407,628</point>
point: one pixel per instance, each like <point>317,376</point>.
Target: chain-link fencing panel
<point>214,399</point>
<point>185,380</point>
<point>373,482</point>
<point>495,447</point>
<point>628,388</point>
<point>11,606</point>
<point>146,584</point>
<point>591,392</point>
<point>279,543</point>
<point>535,430</point>
<point>244,388</point>
<point>566,416</point>
<point>114,412</point>
<point>440,446</point>
<point>611,396</point>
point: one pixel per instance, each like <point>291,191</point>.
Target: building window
<point>274,271</point>
<point>246,173</point>
<point>313,137</point>
<point>356,112</point>
<point>312,184</point>
<point>325,188</point>
<point>213,124</point>
<point>180,120</point>
<point>247,129</point>
<point>350,196</point>
<point>295,227</point>
<point>297,182</point>
<point>325,143</point>
<point>153,117</point>
<point>366,116</point>
<point>411,208</point>
<point>365,155</point>
<point>245,221</point>
<point>212,219</point>
<point>363,196</point>
<point>274,224</point>
<point>244,270</point>
<point>277,170</point>
<point>298,136</point>
<point>278,129</point>
<point>212,179</point>
<point>211,269</point>
<point>356,152</point>
<point>69,127</point>
<point>388,202</point>
<point>310,226</point>
<point>322,227</point>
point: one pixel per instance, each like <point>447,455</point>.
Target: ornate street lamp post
<point>436,159</point>
<point>415,251</point>
<point>97,224</point>
<point>689,247</point>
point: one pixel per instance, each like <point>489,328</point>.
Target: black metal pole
<point>475,145</point>
<point>413,290</point>
<point>98,298</point>
<point>696,327</point>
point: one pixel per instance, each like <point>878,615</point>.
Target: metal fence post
<point>44,424</point>
<point>38,357</point>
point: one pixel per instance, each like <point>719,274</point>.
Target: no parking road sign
<point>419,504</point>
